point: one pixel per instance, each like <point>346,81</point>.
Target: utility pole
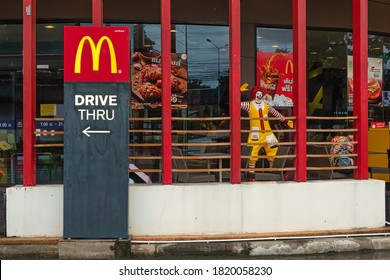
<point>218,75</point>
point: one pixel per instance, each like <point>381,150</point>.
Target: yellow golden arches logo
<point>289,63</point>
<point>95,49</point>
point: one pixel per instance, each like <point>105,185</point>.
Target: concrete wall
<point>34,211</point>
<point>215,208</point>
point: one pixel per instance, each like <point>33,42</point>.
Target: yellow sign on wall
<point>48,110</point>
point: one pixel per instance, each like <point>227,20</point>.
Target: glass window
<point>49,106</point>
<point>10,100</point>
<point>199,85</point>
<point>11,38</point>
<point>378,96</point>
<point>386,79</point>
<point>50,38</point>
<point>274,40</point>
<point>274,69</point>
<point>327,80</point>
<point>50,102</point>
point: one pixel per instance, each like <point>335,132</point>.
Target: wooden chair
<point>188,177</point>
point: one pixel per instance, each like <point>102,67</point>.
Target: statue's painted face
<point>259,95</point>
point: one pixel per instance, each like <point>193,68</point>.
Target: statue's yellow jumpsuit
<point>258,138</point>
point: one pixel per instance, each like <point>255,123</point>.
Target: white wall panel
<point>216,208</point>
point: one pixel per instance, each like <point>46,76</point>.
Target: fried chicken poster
<point>275,74</point>
<point>147,84</point>
<point>374,87</point>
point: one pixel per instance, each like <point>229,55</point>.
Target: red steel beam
<point>234,90</point>
<point>97,12</point>
<point>299,89</point>
<point>166,92</point>
<point>360,81</point>
<point>29,92</point>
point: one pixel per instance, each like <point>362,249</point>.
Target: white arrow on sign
<point>87,131</point>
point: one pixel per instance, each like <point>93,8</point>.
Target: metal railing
<point>314,158</point>
<point>220,150</point>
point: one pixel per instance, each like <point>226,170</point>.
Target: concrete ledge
<point>259,207</point>
<point>215,209</point>
<point>28,251</point>
<point>235,248</point>
<point>261,248</point>
<point>86,249</point>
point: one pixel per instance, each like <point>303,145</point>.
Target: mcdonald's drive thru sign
<point>96,137</point>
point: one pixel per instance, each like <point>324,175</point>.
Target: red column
<point>97,12</point>
<point>29,92</point>
<point>234,90</point>
<point>360,72</point>
<point>299,89</point>
<point>166,92</point>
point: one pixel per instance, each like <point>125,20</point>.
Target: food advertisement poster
<point>275,74</point>
<point>375,74</point>
<point>146,80</point>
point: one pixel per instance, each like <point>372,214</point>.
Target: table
<point>209,156</point>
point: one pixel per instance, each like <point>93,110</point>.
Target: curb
<point>126,249</point>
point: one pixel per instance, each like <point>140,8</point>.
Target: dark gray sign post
<point>96,134</point>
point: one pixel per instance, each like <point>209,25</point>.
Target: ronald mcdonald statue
<point>261,135</point>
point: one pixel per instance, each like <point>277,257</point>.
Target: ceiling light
<point>49,26</point>
<point>275,46</point>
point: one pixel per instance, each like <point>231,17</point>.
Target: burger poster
<point>146,80</point>
<point>375,74</point>
<point>275,74</point>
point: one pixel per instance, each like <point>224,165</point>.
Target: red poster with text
<point>96,54</point>
<point>275,74</point>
